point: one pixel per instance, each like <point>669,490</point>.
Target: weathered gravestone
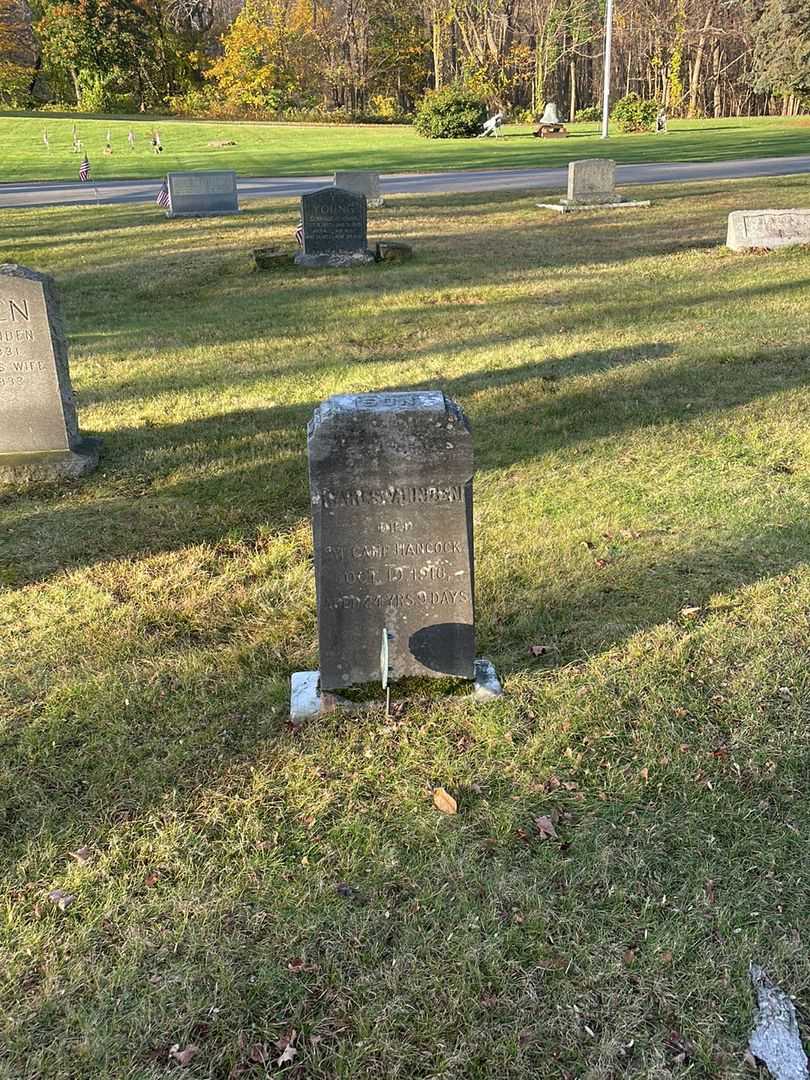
<point>391,493</point>
<point>592,181</point>
<point>202,194</point>
<point>767,229</point>
<point>39,432</point>
<point>591,186</point>
<point>335,228</point>
<point>361,183</point>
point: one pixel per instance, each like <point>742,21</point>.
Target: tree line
<point>376,59</point>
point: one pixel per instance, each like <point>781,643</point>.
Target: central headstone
<point>39,432</point>
<point>591,186</point>
<point>335,227</point>
<point>361,183</point>
<point>202,194</point>
<point>592,181</point>
<point>767,229</point>
<point>391,492</point>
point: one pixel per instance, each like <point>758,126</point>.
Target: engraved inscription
<point>31,412</point>
<point>334,221</point>
<point>392,517</point>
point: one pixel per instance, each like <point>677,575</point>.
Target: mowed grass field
<point>311,149</point>
<point>639,400</point>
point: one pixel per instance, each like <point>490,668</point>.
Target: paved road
<point>31,193</point>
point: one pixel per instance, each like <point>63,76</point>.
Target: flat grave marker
<point>768,229</point>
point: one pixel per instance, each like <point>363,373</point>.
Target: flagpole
<point>608,49</point>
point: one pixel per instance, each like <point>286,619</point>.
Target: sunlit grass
<point>311,149</point>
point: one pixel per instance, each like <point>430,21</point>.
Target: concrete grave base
<point>308,701</point>
<point>336,259</point>
<point>565,207</point>
<point>50,464</point>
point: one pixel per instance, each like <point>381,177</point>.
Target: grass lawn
<point>639,401</point>
<point>300,150</point>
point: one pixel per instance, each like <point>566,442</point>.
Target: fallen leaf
<point>62,899</point>
<point>538,650</point>
<point>151,879</point>
<point>680,1047</point>
<point>183,1057</point>
<point>545,827</point>
<point>259,1053</point>
<point>629,957</point>
<point>711,892</point>
<point>666,957</point>
<point>286,1045</point>
<point>298,964</point>
<point>444,801</point>
<point>601,563</point>
<point>82,855</point>
<point>287,1056</point>
<point>688,612</point>
<point>645,774</point>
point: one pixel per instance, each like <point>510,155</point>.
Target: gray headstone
<point>361,183</point>
<point>592,181</point>
<point>768,228</point>
<point>39,433</point>
<point>391,491</point>
<point>202,194</point>
<point>335,222</point>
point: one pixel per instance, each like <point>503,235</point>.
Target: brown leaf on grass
<point>259,1053</point>
<point>299,964</point>
<point>711,892</point>
<point>526,1036</point>
<point>601,563</point>
<point>286,1046</point>
<point>444,801</point>
<point>680,1047</point>
<point>183,1057</point>
<point>666,957</point>
<point>62,899</point>
<point>82,855</point>
<point>688,612</point>
<point>545,827</point>
<point>151,879</point>
<point>539,650</point>
<point>629,957</point>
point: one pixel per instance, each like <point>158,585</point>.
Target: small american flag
<point>84,170</point>
<point>163,196</point>
<point>299,234</point>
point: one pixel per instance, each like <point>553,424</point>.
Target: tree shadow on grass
<point>178,484</point>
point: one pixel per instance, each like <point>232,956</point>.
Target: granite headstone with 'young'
<point>202,194</point>
<point>391,493</point>
<point>39,433</point>
<point>335,222</point>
